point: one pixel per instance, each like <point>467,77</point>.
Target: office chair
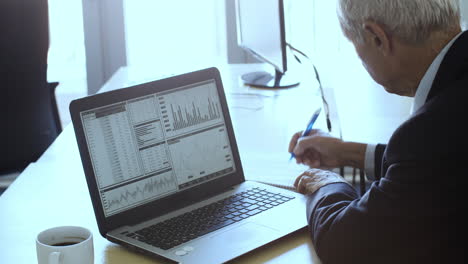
<point>30,123</point>
<point>29,113</point>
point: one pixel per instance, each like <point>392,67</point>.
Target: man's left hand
<point>313,179</point>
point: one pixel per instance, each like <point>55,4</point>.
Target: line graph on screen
<point>138,193</point>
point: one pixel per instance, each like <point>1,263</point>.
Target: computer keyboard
<point>188,226</point>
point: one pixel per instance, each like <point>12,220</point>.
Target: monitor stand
<point>265,80</point>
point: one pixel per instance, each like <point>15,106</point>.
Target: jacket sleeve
<point>394,216</point>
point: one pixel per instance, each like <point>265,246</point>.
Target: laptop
<point>165,176</point>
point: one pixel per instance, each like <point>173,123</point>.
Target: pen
<point>309,127</point>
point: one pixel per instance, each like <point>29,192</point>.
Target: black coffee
<point>62,244</point>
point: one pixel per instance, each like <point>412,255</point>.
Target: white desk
<point>53,191</point>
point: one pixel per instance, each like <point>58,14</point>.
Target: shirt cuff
<point>369,162</point>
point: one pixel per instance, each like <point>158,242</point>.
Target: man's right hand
<point>317,150</point>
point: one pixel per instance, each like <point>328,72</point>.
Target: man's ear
<point>377,36</point>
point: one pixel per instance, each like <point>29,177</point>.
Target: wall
<point>104,35</point>
<point>235,54</point>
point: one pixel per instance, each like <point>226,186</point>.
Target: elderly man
<point>412,212</point>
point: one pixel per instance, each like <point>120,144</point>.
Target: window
<point>66,59</point>
<point>170,35</point>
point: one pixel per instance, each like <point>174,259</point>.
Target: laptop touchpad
<point>245,236</point>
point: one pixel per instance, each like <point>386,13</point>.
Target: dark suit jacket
<point>414,212</point>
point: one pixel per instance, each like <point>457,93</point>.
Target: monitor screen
<point>149,147</point>
<point>261,30</point>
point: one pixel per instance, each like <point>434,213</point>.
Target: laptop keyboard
<point>188,226</point>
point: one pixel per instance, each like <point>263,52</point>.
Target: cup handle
<point>54,258</point>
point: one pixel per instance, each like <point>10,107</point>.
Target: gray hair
<point>411,21</point>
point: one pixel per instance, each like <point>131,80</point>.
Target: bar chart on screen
<point>187,110</point>
<point>183,118</point>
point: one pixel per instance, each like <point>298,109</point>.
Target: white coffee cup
<point>65,245</point>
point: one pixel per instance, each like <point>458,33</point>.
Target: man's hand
<point>317,150</point>
<point>321,150</point>
<point>313,179</point>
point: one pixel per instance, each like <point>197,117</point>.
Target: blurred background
<point>71,48</point>
<point>166,35</point>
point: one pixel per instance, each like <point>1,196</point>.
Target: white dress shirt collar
<point>426,82</point>
<point>419,100</point>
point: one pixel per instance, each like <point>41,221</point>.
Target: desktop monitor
<point>261,32</point>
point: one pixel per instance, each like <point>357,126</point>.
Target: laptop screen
<point>146,148</point>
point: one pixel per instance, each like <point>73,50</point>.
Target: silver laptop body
<point>166,150</point>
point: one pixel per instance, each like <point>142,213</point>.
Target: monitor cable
<point>324,100</point>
